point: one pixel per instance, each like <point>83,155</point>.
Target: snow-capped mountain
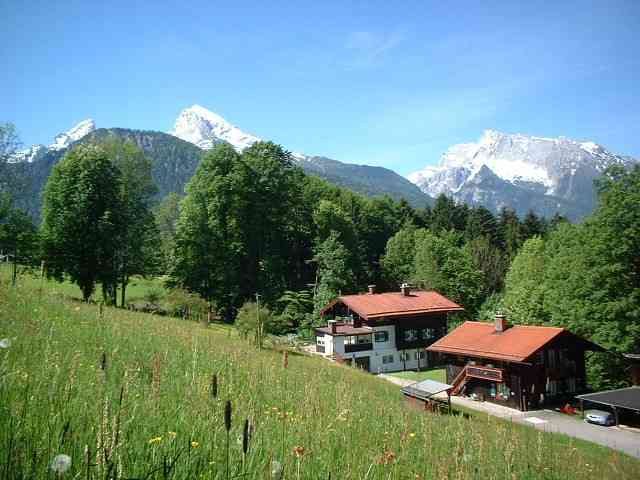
<point>520,171</point>
<point>61,141</point>
<point>204,128</point>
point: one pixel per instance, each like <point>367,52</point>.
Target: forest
<point>253,226</point>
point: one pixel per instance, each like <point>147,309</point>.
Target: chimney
<point>405,289</point>
<point>500,322</point>
<point>372,289</point>
<point>333,328</point>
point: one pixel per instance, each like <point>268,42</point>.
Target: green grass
<point>437,374</point>
<point>150,413</point>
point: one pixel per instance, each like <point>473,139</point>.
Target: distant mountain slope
<point>547,175</point>
<point>204,128</point>
<point>175,161</point>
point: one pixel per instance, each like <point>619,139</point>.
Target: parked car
<point>599,417</point>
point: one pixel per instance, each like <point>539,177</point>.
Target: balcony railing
<point>358,347</point>
<point>485,373</point>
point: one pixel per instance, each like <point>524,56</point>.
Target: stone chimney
<point>405,289</point>
<point>333,327</point>
<point>372,289</point>
<point>500,322</point>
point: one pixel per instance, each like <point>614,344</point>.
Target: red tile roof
<point>373,306</point>
<point>479,339</point>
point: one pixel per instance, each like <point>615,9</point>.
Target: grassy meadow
<point>131,395</point>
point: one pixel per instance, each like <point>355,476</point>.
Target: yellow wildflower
<point>155,440</point>
<point>195,444</point>
<point>172,434</point>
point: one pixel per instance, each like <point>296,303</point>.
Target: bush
<point>182,303</point>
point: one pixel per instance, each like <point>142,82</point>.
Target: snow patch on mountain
<point>204,128</point>
<point>537,162</point>
<point>63,140</point>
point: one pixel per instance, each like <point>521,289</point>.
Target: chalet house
<point>384,332</point>
<point>522,367</point>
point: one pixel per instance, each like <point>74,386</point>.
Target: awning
<point>425,389</point>
<point>628,398</point>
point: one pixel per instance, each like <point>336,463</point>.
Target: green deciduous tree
<point>443,265</point>
<point>524,284</point>
<point>398,261</point>
<point>81,219</point>
<point>138,237</point>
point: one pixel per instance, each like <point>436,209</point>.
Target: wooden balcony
<point>485,373</point>
<point>358,347</point>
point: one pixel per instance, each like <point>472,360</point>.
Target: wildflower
<point>155,440</point>
<point>61,463</point>
<point>276,470</point>
<point>298,451</point>
<point>5,343</point>
<point>77,309</point>
<point>195,444</point>
<point>412,435</point>
<point>172,434</point>
<point>386,458</point>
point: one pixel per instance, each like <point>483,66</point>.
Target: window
<point>320,340</point>
<point>429,333</point>
<point>404,356</point>
<point>382,336</point>
<point>420,354</point>
<point>364,339</point>
<point>350,340</point>
<point>540,357</point>
<point>387,359</point>
<point>410,335</point>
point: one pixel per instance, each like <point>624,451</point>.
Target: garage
<point>624,403</point>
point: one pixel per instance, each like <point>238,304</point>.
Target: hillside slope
<point>130,395</point>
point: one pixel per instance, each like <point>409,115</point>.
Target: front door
<point>362,362</point>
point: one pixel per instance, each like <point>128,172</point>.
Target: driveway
<point>549,421</point>
<point>612,437</point>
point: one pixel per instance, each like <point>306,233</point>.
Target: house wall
<point>334,346</point>
<point>548,377</point>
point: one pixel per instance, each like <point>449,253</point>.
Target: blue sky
<point>382,83</point>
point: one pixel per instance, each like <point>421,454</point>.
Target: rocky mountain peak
<point>63,140</point>
<point>205,128</point>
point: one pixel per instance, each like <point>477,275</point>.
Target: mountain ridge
<point>546,175</point>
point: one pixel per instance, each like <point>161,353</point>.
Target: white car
<point>599,417</point>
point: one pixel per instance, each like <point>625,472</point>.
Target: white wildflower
<point>276,470</point>
<point>5,343</point>
<point>61,463</point>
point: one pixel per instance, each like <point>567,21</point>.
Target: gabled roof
<point>377,305</point>
<point>515,344</point>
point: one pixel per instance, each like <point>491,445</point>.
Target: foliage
<point>81,225</point>
<point>398,261</point>
<point>182,303</point>
<point>138,240</point>
<point>254,323</point>
<point>334,272</point>
<point>493,304</point>
<point>443,265</point>
<point>525,287</point>
<point>167,213</point>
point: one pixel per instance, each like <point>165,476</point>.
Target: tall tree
<point>210,241</point>
<point>445,266</point>
<point>81,219</point>
<point>167,214</point>
<point>334,272</point>
<point>510,232</point>
<point>398,261</point>
<point>524,285</point>
<point>138,236</point>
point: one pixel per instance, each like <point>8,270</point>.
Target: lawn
<point>133,395</point>
<point>437,374</point>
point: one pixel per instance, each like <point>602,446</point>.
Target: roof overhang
<point>628,398</point>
